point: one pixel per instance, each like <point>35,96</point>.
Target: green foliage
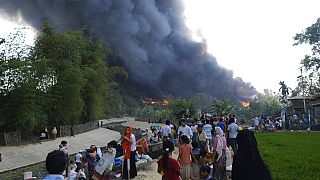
<point>153,112</point>
<point>63,79</point>
<point>222,107</point>
<point>202,101</point>
<point>291,155</point>
<point>311,63</point>
<point>182,108</point>
<point>267,104</point>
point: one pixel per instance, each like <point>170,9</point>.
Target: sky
<point>253,38</point>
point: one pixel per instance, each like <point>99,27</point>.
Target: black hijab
<point>247,163</point>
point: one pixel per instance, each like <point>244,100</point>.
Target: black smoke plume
<point>148,36</point>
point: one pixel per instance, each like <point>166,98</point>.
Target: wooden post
<point>5,139</point>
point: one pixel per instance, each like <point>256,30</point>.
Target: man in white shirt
<point>166,130</point>
<point>233,129</point>
<point>185,130</point>
<point>207,129</point>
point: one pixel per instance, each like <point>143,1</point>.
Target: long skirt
<point>133,168</point>
<point>220,167</point>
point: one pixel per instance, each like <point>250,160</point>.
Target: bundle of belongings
<point>112,159</point>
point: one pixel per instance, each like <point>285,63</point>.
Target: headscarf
<point>247,163</point>
<point>219,135</point>
<point>126,145</point>
<point>138,133</point>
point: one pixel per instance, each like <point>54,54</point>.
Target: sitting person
<point>92,159</point>
<point>56,163</point>
<point>155,138</point>
<point>111,149</point>
<point>142,145</point>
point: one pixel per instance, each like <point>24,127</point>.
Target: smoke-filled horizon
<point>149,37</point>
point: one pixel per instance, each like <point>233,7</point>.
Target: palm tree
<point>222,107</point>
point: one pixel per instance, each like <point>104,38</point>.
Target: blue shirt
<point>221,125</point>
<point>53,177</point>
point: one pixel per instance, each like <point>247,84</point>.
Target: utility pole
<point>302,87</point>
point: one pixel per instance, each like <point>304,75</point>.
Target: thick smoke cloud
<point>149,37</point>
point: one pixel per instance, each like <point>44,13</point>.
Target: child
<point>167,166</point>
<point>185,152</point>
<point>81,175</point>
<point>195,164</point>
<point>72,170</point>
<point>205,173</point>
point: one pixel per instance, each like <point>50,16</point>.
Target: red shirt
<point>185,153</point>
<point>173,170</point>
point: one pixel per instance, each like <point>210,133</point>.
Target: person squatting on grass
<point>247,163</point>
<point>168,167</point>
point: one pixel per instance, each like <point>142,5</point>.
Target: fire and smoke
<point>158,102</point>
<point>148,37</point>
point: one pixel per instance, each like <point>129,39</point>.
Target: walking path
<point>19,156</point>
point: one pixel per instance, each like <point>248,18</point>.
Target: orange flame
<point>245,103</point>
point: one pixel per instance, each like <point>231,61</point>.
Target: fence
<point>80,128</point>
<point>11,138</point>
<point>313,127</point>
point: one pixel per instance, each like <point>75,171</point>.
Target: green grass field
<point>291,155</point>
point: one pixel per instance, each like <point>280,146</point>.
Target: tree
<point>20,107</point>
<point>182,108</point>
<point>222,107</point>
<point>311,63</point>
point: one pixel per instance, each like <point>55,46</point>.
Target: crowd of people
<point>202,151</point>
<point>202,145</point>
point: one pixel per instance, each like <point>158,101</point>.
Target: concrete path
<point>18,156</point>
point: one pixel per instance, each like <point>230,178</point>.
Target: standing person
<point>219,147</point>
<point>185,153</point>
<point>167,166</point>
<point>185,130</point>
<point>54,132</point>
<point>46,132</point>
<point>256,123</point>
<point>166,130</point>
<point>63,147</point>
<point>233,129</point>
<point>71,131</point>
<point>194,130</point>
<point>208,129</point>
<point>56,164</point>
<point>129,145</point>
<point>195,164</point>
<point>78,160</point>
<point>247,163</point>
<point>202,138</point>
<point>221,124</point>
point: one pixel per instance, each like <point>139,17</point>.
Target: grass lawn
<point>291,155</point>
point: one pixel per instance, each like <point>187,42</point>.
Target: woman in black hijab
<point>247,163</point>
